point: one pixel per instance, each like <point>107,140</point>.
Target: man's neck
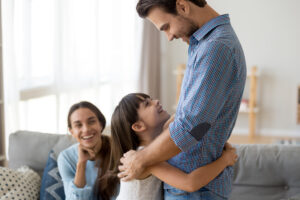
<point>201,16</point>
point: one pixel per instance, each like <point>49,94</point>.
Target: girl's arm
<point>196,179</point>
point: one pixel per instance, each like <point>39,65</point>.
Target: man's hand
<point>131,166</point>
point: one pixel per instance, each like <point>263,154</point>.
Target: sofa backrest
<point>266,172</point>
<point>32,148</point>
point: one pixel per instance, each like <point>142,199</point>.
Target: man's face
<point>175,26</point>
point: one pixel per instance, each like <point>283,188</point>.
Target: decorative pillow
<point>22,183</point>
<point>52,185</point>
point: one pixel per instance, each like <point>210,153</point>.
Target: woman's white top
<point>149,188</point>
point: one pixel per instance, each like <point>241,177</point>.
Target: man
<point>210,96</point>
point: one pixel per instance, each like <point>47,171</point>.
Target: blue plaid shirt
<point>209,102</point>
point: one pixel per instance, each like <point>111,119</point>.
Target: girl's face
<point>85,127</point>
<point>152,114</point>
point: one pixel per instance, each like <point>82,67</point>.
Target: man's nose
<point>170,36</point>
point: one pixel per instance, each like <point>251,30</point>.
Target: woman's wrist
<point>79,180</point>
<point>81,162</point>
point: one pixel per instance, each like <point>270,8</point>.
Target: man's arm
<point>199,177</point>
<point>161,149</point>
<point>209,86</point>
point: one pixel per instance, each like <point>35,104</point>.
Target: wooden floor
<point>244,139</point>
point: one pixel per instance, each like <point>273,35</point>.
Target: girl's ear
<point>138,126</point>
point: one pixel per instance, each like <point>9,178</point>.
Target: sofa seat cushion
<point>22,183</point>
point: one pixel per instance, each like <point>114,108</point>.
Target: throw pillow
<point>52,186</point>
<point>22,183</point>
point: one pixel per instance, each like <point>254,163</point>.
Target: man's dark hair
<point>144,6</point>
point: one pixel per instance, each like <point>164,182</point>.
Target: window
<point>60,52</point>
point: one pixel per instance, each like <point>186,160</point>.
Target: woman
<point>78,165</point>
<point>136,121</point>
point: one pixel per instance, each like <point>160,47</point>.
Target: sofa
<point>262,172</point>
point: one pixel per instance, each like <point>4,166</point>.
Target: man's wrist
<point>143,158</point>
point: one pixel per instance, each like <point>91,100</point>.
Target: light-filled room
<point>150,99</point>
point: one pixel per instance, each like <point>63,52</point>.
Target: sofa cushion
<point>32,148</point>
<point>266,172</point>
<point>22,183</point>
<point>52,185</point>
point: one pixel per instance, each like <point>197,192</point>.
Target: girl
<point>136,121</point>
<point>78,165</point>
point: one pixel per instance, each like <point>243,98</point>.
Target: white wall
<point>269,32</point>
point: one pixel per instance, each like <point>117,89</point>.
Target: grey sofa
<point>263,172</point>
<point>267,172</point>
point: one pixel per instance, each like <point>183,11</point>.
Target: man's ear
<point>183,7</point>
<point>138,126</point>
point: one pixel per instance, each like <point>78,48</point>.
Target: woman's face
<point>152,113</point>
<point>85,127</point>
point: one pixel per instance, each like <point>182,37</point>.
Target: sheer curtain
<point>149,60</point>
<point>59,52</point>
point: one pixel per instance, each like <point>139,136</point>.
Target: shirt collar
<point>207,27</point>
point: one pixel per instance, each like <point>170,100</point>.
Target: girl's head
<point>137,117</point>
<point>86,123</point>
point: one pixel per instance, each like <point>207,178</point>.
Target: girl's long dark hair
<point>123,139</point>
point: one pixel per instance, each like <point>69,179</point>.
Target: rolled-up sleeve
<point>207,85</point>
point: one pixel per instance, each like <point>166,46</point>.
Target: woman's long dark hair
<point>104,154</point>
<point>123,139</point>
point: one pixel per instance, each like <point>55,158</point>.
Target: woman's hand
<point>85,154</point>
<point>229,155</point>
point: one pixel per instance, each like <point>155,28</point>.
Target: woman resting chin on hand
<point>78,165</point>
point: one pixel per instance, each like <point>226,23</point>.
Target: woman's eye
<point>77,125</point>
<point>92,122</point>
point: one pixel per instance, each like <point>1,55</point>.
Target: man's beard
<point>191,27</point>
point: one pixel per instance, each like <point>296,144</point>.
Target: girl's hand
<point>85,154</point>
<point>166,125</point>
<point>229,155</point>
